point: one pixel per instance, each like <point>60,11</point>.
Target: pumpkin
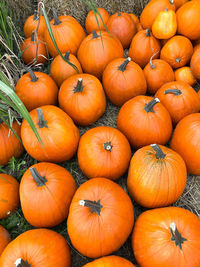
<point>157,72</point>
<point>46,191</point>
<point>186,142</point>
<point>34,50</point>
<point>9,143</point>
<point>123,79</point>
<point>36,89</point>
<point>177,51</point>
<point>139,27</point>
<point>59,135</point>
<point>96,204</point>
<point>152,9</point>
<point>9,195</point>
<point>91,22</point>
<point>167,237</point>
<point>104,152</point>
<point>144,46</point>
<point>165,26</point>
<point>110,261</point>
<point>185,74</point>
<point>31,24</point>
<point>157,176</point>
<point>195,63</point>
<point>179,3</point>
<point>4,239</point>
<point>144,121</point>
<point>60,70</point>
<point>68,34</point>
<point>109,48</point>
<point>179,98</point>
<point>188,19</point>
<point>82,97</point>
<point>123,27</point>
<point>38,247</point>
<point>134,18</point>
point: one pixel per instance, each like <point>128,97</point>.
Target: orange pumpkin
<point>109,48</point>
<point>179,98</point>
<point>36,89</point>
<point>123,79</point>
<point>144,46</point>
<point>31,24</point>
<point>186,141</point>
<point>4,239</point>
<point>139,27</point>
<point>167,237</point>
<point>177,51</point>
<point>96,204</point>
<point>134,18</point>
<point>195,63</point>
<point>82,97</point>
<point>179,3</point>
<point>9,195</point>
<point>185,74</point>
<point>144,121</point>
<point>104,152</point>
<point>59,135</point>
<point>110,261</point>
<point>157,72</point>
<point>157,176</point>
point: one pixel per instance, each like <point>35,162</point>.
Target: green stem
<point>94,206</point>
<point>55,16</point>
<point>107,146</point>
<point>122,67</point>
<point>176,236</point>
<point>79,87</point>
<point>41,181</point>
<point>173,91</point>
<point>32,74</point>
<point>151,104</point>
<point>94,34</point>
<point>66,56</point>
<point>158,150</point>
<point>41,121</point>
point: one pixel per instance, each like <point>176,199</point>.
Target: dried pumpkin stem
<point>21,263</point>
<point>122,67</point>
<point>176,236</point>
<point>66,56</point>
<point>32,74</point>
<point>41,181</point>
<point>79,87</point>
<point>119,13</point>
<point>55,16</point>
<point>94,34</point>
<point>108,146</point>
<point>178,59</point>
<point>171,2</point>
<point>41,121</point>
<point>149,107</point>
<point>151,64</point>
<point>94,206</point>
<point>33,36</point>
<point>173,91</point>
<point>158,150</point>
<point>148,33</point>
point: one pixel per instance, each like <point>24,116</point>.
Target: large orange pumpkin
<point>104,152</point>
<point>123,79</point>
<point>195,63</point>
<point>59,135</point>
<point>167,237</point>
<point>39,248</point>
<point>186,141</point>
<point>110,261</point>
<point>144,121</point>
<point>82,97</point>
<point>157,176</point>
<point>46,191</point>
<point>108,47</point>
<point>185,74</point>
<point>9,195</point>
<point>4,239</point>
<point>31,24</point>
<point>100,218</point>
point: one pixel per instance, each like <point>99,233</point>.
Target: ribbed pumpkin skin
<point>181,105</point>
<point>195,63</point>
<point>94,63</point>
<point>185,74</point>
<point>120,86</point>
<point>110,261</point>
<point>39,247</point>
<point>91,23</point>
<point>31,25</point>
<point>84,107</point>
<point>151,238</point>
<point>4,239</point>
<point>9,144</point>
<point>68,35</point>
<point>47,205</point>
<point>141,127</point>
<point>95,235</point>
<point>42,92</point>
<point>186,142</point>
<point>60,139</point>
<point>156,182</point>
<point>9,195</point>
<point>95,161</point>
<point>179,3</point>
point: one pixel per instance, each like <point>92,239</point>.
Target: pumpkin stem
<point>122,67</point>
<point>149,107</point>
<point>176,236</point>
<point>42,123</point>
<point>21,263</point>
<point>178,60</point>
<point>41,181</point>
<point>32,74</point>
<point>151,63</point>
<point>35,15</point>
<point>33,36</point>
<point>1,121</point>
<point>94,34</point>
<point>119,14</point>
<point>173,91</point>
<point>158,150</point>
<point>107,146</point>
<point>171,2</point>
<point>94,206</point>
<point>148,32</point>
<point>55,16</point>
<point>79,87</point>
<point>66,56</point>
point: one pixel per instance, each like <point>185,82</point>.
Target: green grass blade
<point>4,79</point>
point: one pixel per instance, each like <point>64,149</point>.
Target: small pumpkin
<point>36,89</point>
<point>179,98</point>
<point>185,74</point>
<point>4,239</point>
<point>9,195</point>
<point>144,121</point>
<point>96,204</point>
<point>31,24</point>
<point>110,261</point>
<point>82,97</point>
<point>60,70</point>
<point>104,152</point>
<point>123,79</point>
<point>157,176</point>
<point>167,237</point>
<point>59,135</point>
<point>195,63</point>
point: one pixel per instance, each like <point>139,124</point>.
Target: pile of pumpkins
<point>164,62</point>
